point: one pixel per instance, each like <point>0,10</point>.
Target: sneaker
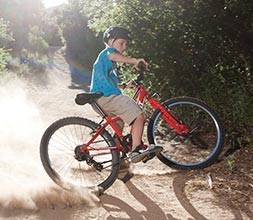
<point>138,154</point>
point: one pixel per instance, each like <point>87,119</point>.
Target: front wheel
<point>200,147</point>
<point>63,162</point>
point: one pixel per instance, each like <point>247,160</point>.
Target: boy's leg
<point>130,112</point>
<point>137,130</point>
<point>124,172</point>
<point>141,152</point>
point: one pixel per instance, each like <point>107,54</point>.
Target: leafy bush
<point>4,57</point>
<point>82,45</point>
<point>5,35</point>
<point>5,38</point>
<point>37,43</point>
<point>195,48</point>
<point>52,32</point>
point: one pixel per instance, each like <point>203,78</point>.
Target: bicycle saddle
<point>84,98</point>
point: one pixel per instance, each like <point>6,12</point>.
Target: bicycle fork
<point>178,126</point>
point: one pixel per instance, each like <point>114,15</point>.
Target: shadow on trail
<point>153,211</point>
<point>179,183</point>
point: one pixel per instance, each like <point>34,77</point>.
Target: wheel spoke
<point>200,146</point>
<point>58,146</point>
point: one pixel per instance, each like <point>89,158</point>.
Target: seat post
<point>100,110</point>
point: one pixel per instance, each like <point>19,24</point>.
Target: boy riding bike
<point>79,153</point>
<point>105,80</point>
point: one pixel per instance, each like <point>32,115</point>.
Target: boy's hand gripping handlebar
<point>142,67</point>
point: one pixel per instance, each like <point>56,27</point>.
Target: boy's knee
<point>142,117</point>
<point>120,124</point>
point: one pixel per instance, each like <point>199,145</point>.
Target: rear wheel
<point>200,147</point>
<point>63,162</point>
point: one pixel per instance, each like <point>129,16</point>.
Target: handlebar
<point>142,66</point>
<point>141,69</point>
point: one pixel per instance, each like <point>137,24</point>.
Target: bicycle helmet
<point>116,33</point>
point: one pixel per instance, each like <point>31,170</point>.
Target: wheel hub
<point>79,155</point>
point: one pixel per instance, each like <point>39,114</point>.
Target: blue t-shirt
<point>104,75</point>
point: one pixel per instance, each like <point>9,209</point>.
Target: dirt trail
<point>155,192</point>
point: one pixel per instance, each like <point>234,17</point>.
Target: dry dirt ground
<point>156,192</point>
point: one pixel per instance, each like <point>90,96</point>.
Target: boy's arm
<point>119,58</point>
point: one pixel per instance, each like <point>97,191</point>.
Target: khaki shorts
<point>120,105</point>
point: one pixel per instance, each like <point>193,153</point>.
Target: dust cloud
<point>23,181</point>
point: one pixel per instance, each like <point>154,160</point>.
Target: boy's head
<point>115,33</point>
<point>117,37</point>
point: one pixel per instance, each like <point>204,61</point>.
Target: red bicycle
<point>78,152</point>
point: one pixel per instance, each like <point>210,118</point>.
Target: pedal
<point>148,157</point>
<point>152,155</point>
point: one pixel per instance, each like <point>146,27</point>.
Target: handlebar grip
<point>142,66</point>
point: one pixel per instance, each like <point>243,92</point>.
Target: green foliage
<point>82,46</point>
<point>36,42</point>
<point>5,39</point>
<point>4,57</point>
<point>230,164</point>
<point>21,14</point>
<point>5,35</point>
<point>195,48</point>
<point>32,30</point>
<point>52,32</point>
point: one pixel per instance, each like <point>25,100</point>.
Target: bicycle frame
<point>78,152</point>
<point>139,96</point>
<point>108,121</point>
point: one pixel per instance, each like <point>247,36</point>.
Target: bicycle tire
<point>200,147</point>
<point>57,150</point>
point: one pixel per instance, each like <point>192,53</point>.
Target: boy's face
<point>119,44</point>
